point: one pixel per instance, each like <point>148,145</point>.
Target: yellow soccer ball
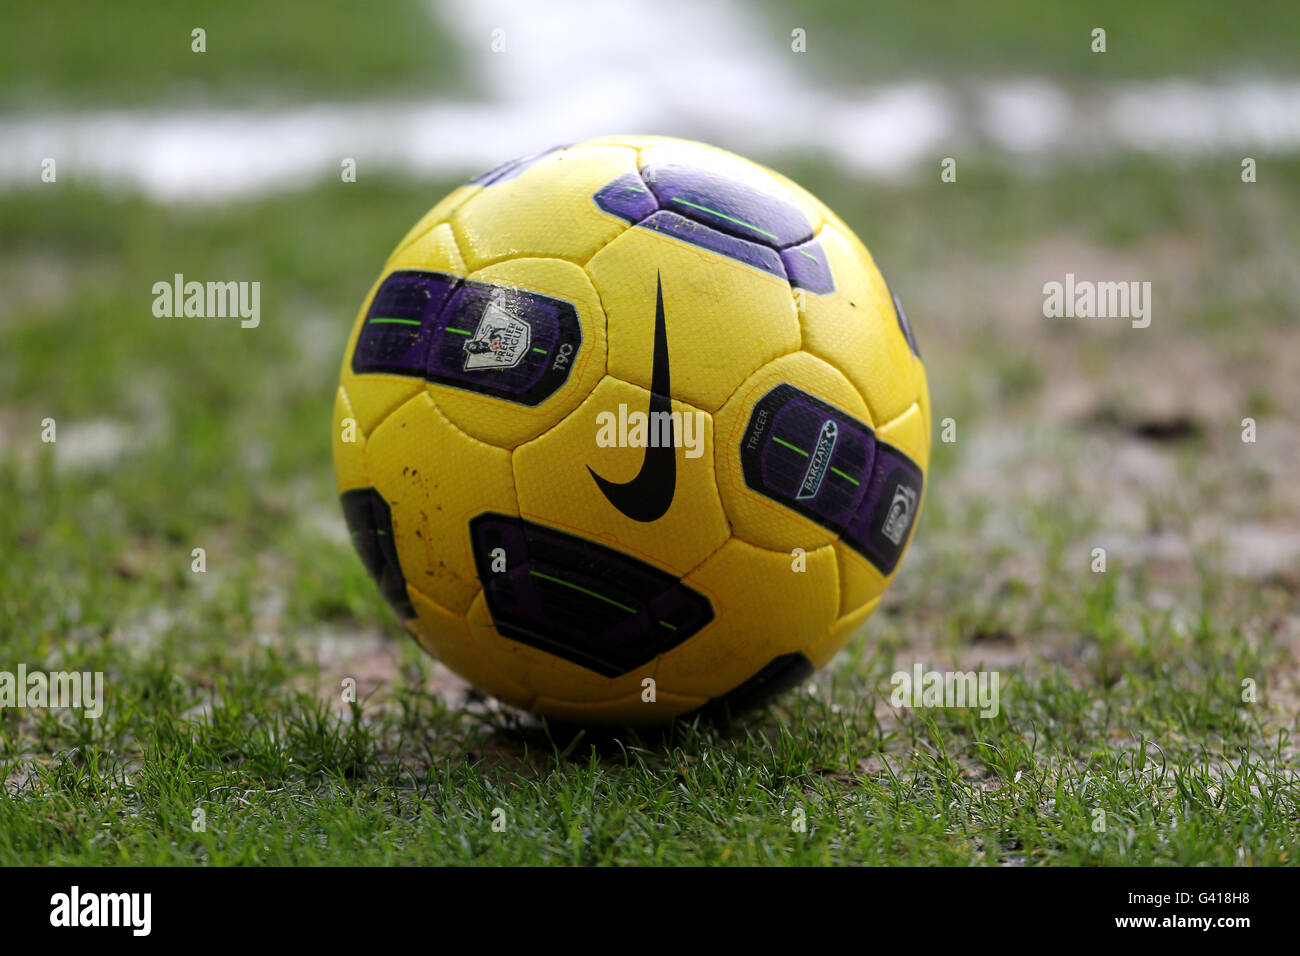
<point>631,428</point>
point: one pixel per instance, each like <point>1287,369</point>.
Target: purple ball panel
<point>728,205</point>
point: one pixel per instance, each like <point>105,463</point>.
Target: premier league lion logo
<point>499,342</point>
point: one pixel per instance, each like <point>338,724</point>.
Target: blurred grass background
<point>137,53</point>
<point>954,39</point>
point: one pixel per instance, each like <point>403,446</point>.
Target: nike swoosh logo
<point>648,496</point>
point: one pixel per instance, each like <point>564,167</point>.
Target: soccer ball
<point>631,428</point>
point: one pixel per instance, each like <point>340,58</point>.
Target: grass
<point>958,38</point>
<point>1122,692</point>
<point>80,54</point>
<point>280,778</point>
